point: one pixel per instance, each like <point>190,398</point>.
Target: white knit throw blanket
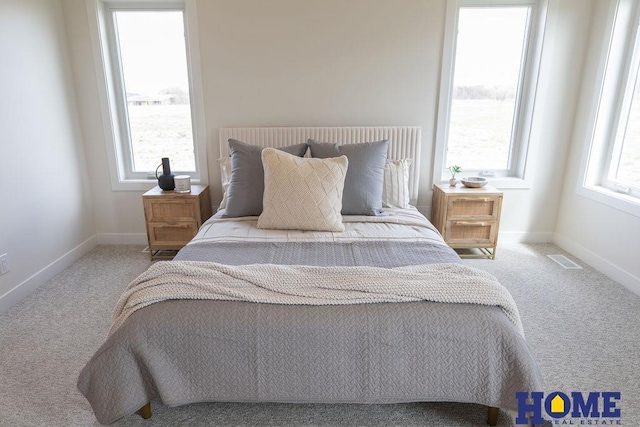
<point>307,285</point>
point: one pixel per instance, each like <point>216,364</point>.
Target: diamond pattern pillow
<point>302,193</point>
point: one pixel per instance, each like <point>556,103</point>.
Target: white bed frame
<point>404,141</point>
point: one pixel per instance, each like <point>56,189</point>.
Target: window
<point>611,171</point>
<point>148,91</point>
<point>488,82</point>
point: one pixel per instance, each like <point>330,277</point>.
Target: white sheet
<point>394,224</point>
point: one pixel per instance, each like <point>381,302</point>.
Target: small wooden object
<point>468,217</point>
<point>492,416</point>
<point>145,411</point>
<point>173,218</point>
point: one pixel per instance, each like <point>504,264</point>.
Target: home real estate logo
<point>592,408</point>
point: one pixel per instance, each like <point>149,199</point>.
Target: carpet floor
<point>583,328</point>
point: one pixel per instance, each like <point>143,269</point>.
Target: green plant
<point>454,170</point>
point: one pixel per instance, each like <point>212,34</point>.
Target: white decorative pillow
<point>302,193</point>
<point>395,190</point>
<point>225,179</point>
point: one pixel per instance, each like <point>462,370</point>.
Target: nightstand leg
<point>145,411</point>
<point>492,416</point>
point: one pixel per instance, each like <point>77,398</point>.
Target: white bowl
<point>474,181</point>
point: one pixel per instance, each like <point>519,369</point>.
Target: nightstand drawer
<point>465,233</point>
<point>171,210</point>
<point>171,234</point>
<point>473,207</point>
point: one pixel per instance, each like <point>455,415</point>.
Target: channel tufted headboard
<point>404,141</point>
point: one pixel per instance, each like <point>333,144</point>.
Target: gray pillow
<point>246,185</point>
<point>364,181</point>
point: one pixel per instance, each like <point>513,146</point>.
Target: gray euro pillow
<point>246,185</point>
<point>363,184</point>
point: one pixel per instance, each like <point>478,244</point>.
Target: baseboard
<point>28,286</point>
<point>525,237</point>
<point>601,264</point>
<point>122,238</point>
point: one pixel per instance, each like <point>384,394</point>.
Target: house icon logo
<point>557,405</point>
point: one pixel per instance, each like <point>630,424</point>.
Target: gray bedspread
<point>197,351</point>
<point>386,254</point>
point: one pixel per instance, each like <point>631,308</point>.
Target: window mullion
<point>192,106</point>
<point>628,83</point>
<point>124,146</point>
<point>518,142</point>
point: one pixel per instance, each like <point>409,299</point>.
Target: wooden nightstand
<point>173,219</point>
<point>468,217</point>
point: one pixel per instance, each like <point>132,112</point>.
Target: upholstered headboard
<point>404,141</point>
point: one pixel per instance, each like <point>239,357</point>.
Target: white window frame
<point>517,175</point>
<point>627,85</point>
<point>619,57</point>
<point>111,92</point>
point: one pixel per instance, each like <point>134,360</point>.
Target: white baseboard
<point>122,238</point>
<point>28,286</point>
<point>601,264</point>
<point>525,237</point>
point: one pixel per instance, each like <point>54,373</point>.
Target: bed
<point>242,346</point>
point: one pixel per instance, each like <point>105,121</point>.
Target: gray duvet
<point>386,254</point>
<point>196,351</point>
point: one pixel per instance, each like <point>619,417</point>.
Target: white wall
<point>604,237</point>
<point>530,215</point>
<point>116,212</point>
<point>46,213</point>
<point>321,63</point>
<point>284,63</point>
<point>339,63</point>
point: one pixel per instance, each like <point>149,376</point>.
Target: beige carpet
<point>583,328</point>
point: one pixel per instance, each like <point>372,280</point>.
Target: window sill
<point>140,184</point>
<point>504,182</point>
<point>619,201</point>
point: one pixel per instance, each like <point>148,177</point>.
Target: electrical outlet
<point>4,264</point>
